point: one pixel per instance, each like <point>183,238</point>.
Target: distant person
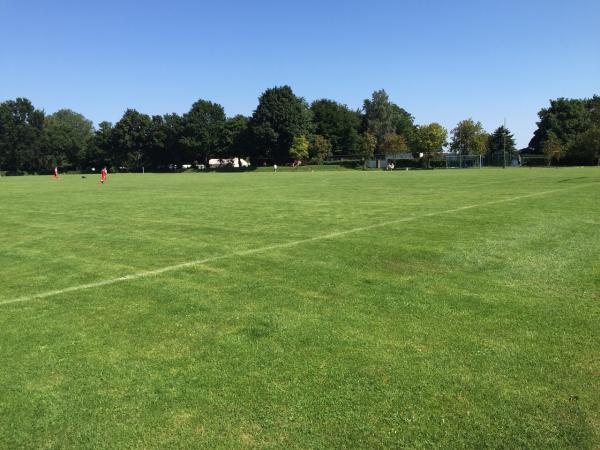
<point>56,173</point>
<point>274,167</point>
<point>103,175</point>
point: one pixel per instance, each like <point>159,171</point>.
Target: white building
<point>231,162</point>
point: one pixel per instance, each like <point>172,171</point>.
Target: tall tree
<point>393,144</point>
<point>299,148</point>
<point>368,144</point>
<point>502,144</point>
<point>566,119</point>
<point>238,141</point>
<point>204,131</point>
<point>320,149</point>
<point>469,138</point>
<point>278,118</point>
<point>430,139</point>
<point>131,137</point>
<point>21,128</point>
<point>338,124</point>
<point>586,147</point>
<point>101,150</point>
<point>553,148</point>
<point>404,123</point>
<point>174,139</point>
<point>157,154</point>
<point>67,137</point>
<point>379,115</point>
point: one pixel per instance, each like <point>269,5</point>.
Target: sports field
<point>420,309</point>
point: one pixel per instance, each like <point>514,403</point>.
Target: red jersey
<point>56,172</point>
<point>103,173</point>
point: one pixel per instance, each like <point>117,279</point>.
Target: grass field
<point>420,309</point>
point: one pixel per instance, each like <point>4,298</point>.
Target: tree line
<point>282,128</point>
<point>569,131</point>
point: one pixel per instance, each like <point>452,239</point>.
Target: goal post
<point>533,160</point>
<point>451,161</point>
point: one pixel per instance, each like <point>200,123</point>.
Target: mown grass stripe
<point>175,267</point>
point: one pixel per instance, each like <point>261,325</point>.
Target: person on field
<point>56,173</point>
<point>274,167</point>
<point>103,174</point>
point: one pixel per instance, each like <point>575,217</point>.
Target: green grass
<point>304,168</point>
<point>472,328</point>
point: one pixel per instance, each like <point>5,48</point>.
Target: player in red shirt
<point>56,173</point>
<point>103,175</point>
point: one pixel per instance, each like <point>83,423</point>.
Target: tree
<point>237,137</point>
<point>131,139</point>
<point>368,144</point>
<point>393,144</point>
<point>320,149</point>
<point>67,137</point>
<point>204,131</point>
<point>586,148</point>
<point>100,150</point>
<point>593,106</point>
<point>553,148</point>
<point>403,122</point>
<point>429,139</point>
<point>157,154</point>
<point>469,138</point>
<point>338,124</point>
<point>278,118</point>
<point>174,139</point>
<point>21,133</point>
<point>299,148</point>
<point>502,144</point>
<point>566,118</point>
<point>379,115</point>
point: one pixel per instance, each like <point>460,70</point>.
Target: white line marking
<point>154,272</point>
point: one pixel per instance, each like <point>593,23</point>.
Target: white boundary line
<point>174,267</point>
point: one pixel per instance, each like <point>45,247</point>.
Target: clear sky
<point>440,60</point>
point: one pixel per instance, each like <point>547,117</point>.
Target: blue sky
<point>442,61</point>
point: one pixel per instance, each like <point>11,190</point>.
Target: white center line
<point>199,262</point>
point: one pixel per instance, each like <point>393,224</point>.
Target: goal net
<point>456,161</point>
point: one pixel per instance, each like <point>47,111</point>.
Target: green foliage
<point>566,118</point>
<point>404,123</point>
<point>100,149</point>
<point>469,138</point>
<point>204,127</point>
<point>368,144</point>
<point>553,149</point>
<point>384,119</point>
<point>586,147</point>
<point>338,124</point>
<point>379,115</point>
<point>156,153</point>
<point>299,148</point>
<point>393,144</point>
<point>131,139</point>
<point>21,134</point>
<point>429,139</point>
<point>238,140</point>
<point>67,137</point>
<point>320,149</point>
<point>174,125</point>
<point>31,142</point>
<point>278,118</point>
<point>502,141</point>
